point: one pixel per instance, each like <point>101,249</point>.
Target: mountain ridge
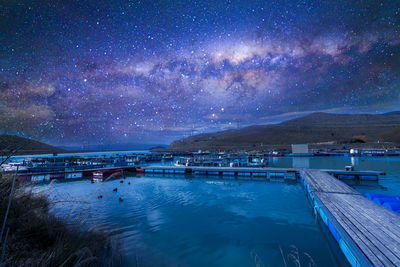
<point>17,145</point>
<point>318,127</point>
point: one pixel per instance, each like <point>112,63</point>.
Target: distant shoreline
<point>24,153</point>
<point>287,147</point>
<point>225,148</point>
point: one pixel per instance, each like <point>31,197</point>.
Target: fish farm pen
<point>239,172</point>
<point>367,229</point>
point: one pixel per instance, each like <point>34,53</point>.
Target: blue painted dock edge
<point>350,250</point>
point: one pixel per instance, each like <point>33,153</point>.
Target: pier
<point>367,233</point>
<point>239,172</point>
<point>285,173</point>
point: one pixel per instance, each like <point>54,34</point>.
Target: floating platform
<point>252,173</point>
<point>268,173</point>
<point>367,233</point>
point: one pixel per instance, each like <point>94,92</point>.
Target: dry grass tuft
<point>37,238</point>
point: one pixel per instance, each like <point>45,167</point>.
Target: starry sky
<point>106,72</point>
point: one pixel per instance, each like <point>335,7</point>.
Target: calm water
<point>172,221</point>
<point>388,184</point>
<point>167,221</point>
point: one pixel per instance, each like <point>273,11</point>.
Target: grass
<point>37,238</point>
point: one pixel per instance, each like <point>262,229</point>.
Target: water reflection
<point>201,221</point>
<point>301,163</point>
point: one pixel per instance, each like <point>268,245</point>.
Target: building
<point>300,149</point>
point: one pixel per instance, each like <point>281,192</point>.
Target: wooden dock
<point>367,233</point>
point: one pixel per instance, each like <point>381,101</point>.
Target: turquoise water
<point>388,184</point>
<point>207,221</point>
<point>170,221</point>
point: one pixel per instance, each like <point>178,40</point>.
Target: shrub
<point>37,238</point>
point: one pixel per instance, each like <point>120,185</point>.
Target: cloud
<point>184,91</point>
<point>32,119</point>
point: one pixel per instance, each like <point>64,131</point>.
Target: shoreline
<point>35,153</point>
<point>269,147</point>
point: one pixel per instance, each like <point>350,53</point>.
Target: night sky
<point>106,72</point>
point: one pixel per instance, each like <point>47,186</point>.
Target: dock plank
<point>373,229</point>
<point>323,182</point>
<point>358,239</point>
<point>368,231</point>
<point>392,229</point>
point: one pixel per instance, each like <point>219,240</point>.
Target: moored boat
<point>274,153</point>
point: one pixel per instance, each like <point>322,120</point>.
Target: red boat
<point>87,173</point>
<point>274,154</point>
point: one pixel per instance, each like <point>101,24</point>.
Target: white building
<point>300,149</point>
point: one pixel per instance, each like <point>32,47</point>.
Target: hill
<point>314,128</point>
<point>24,146</point>
<point>393,113</point>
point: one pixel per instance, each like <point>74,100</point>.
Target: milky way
<point>105,72</point>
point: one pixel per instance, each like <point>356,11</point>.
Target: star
<point>99,75</point>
